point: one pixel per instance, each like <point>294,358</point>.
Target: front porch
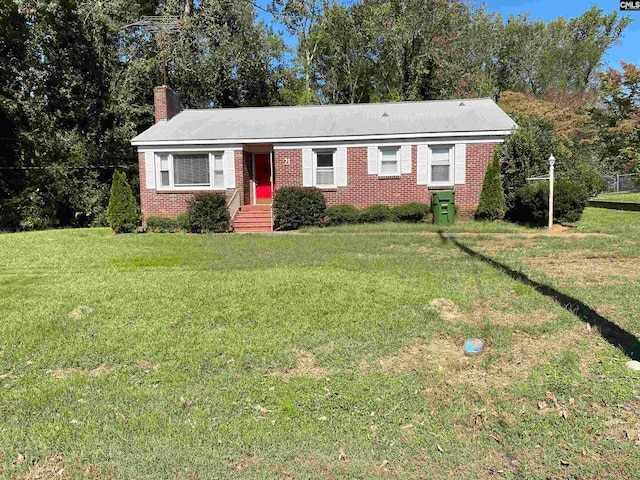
<point>254,213</point>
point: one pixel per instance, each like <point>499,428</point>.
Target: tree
<point>123,214</point>
<point>492,204</point>
<point>617,119</point>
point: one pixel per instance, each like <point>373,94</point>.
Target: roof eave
<point>478,133</point>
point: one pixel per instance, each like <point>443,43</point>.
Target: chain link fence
<point>629,182</point>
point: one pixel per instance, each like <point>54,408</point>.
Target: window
<point>440,169</point>
<point>389,162</point>
<point>165,181</point>
<point>218,170</point>
<point>190,170</point>
<point>325,174</point>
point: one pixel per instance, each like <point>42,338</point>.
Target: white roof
<point>272,124</point>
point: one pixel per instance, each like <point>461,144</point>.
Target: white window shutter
<point>405,154</point>
<point>229,169</point>
<point>422,167</point>
<point>460,163</point>
<point>150,170</point>
<point>372,160</point>
<point>307,167</point>
<point>341,170</point>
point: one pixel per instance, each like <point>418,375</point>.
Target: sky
<point>628,50</point>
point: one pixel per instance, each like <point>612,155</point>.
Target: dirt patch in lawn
<point>245,463</point>
<point>484,311</point>
<point>438,355</point>
<point>444,358</point>
<point>56,466</point>
<point>305,366</point>
<point>147,366</point>
<point>587,268</point>
<point>507,243</point>
<point>96,372</point>
<point>79,312</point>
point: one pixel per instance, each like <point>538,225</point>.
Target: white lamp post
<point>552,161</point>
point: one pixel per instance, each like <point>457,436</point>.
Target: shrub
<point>532,202</point>
<point>589,178</point>
<point>342,215</point>
<point>375,213</point>
<point>123,214</point>
<point>207,213</point>
<point>183,221</point>
<point>295,207</point>
<point>162,224</point>
<point>492,205</point>
<point>412,212</point>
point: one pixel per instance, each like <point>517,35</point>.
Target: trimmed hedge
<point>183,221</point>
<point>412,212</point>
<point>207,213</point>
<point>296,207</point>
<point>342,215</point>
<point>123,214</point>
<point>492,204</point>
<point>162,224</point>
<point>531,204</point>
<point>376,213</point>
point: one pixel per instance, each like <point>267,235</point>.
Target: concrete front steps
<point>253,218</point>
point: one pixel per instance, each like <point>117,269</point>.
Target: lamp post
<point>552,161</point>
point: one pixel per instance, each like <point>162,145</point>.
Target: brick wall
<point>479,155</point>
<point>171,204</point>
<point>364,189</point>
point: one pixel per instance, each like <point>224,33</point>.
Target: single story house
<point>362,154</point>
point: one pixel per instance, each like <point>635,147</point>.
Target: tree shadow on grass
<point>612,333</point>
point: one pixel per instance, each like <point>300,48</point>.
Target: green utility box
<point>443,207</point>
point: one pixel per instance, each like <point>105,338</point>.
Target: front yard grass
<point>172,356</point>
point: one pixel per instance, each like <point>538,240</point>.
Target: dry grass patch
<point>147,366</point>
<point>79,312</point>
<point>445,358</point>
<point>64,373</point>
<point>441,354</point>
<point>305,366</point>
<point>56,466</point>
<point>587,268</point>
<point>484,310</point>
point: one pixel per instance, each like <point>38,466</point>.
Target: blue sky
<point>628,50</point>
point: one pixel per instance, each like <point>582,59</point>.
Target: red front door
<point>263,178</point>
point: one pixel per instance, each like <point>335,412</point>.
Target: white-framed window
<point>441,165</point>
<point>389,161</point>
<point>190,170</point>
<point>324,171</point>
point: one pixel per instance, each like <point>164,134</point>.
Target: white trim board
<point>389,143</point>
<point>376,138</point>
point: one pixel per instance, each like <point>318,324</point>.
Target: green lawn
<point>621,197</point>
<point>171,356</point>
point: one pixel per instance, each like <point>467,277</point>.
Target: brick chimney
<point>166,103</point>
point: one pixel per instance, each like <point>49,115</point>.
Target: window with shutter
<point>191,170</point>
<point>218,170</point>
<point>441,165</point>
<point>324,173</point>
<point>389,162</point>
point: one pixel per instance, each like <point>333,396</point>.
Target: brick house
<point>390,153</point>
